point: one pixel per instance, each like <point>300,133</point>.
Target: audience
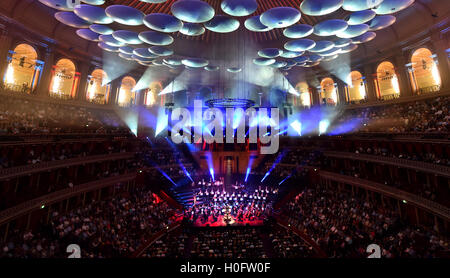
<point>343,226</point>
<point>111,228</point>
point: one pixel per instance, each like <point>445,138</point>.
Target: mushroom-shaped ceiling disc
<point>381,22</point>
<point>322,46</point>
<point>144,53</point>
<point>299,45</point>
<point>239,7</point>
<point>163,22</point>
<point>128,37</point>
<point>353,31</point>
<point>101,29</point>
<point>87,34</point>
<point>270,52</point>
<point>366,37</point>
<point>280,17</point>
<point>126,50</point>
<point>359,5</point>
<point>155,38</point>
<point>234,70</point>
<point>360,17</point>
<point>192,29</point>
<point>93,14</point>
<point>393,6</point>
<point>330,27</point>
<point>125,15</point>
<point>349,48</point>
<point>291,54</point>
<point>254,24</point>
<point>222,24</point>
<point>72,20</point>
<point>211,68</point>
<point>298,31</point>
<point>94,2</point>
<point>106,47</point>
<point>193,11</point>
<point>160,50</point>
<point>320,7</point>
<point>110,40</point>
<point>278,64</point>
<point>342,42</point>
<point>263,61</point>
<point>61,5</point>
<point>195,62</point>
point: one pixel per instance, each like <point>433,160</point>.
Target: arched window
<point>97,91</point>
<point>356,86</point>
<point>65,80</point>
<point>387,81</point>
<point>152,93</point>
<point>328,91</point>
<point>126,94</point>
<point>425,75</point>
<point>22,72</point>
<point>305,95</point>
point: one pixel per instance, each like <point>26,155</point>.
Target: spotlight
<point>323,126</point>
<point>211,171</point>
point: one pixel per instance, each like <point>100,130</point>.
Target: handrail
<point>433,207</point>
<point>147,243</point>
<point>285,224</point>
<point>436,169</point>
<point>9,173</point>
<point>115,137</point>
<point>31,205</point>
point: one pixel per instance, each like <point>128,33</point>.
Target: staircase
<point>184,196</point>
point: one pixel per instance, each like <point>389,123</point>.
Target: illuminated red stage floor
<point>221,223</point>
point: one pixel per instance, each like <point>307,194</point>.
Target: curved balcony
<point>60,195</point>
<point>57,164</point>
<point>430,206</point>
<point>436,169</point>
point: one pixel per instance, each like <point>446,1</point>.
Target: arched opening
<point>424,72</point>
<point>98,92</point>
<point>22,73</point>
<point>152,93</point>
<point>356,87</point>
<point>328,91</point>
<point>305,96</point>
<point>387,81</point>
<point>65,80</point>
<point>126,94</point>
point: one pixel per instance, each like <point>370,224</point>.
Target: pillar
<point>440,46</point>
<point>115,87</point>
<point>402,75</point>
<point>5,45</point>
<point>370,75</point>
<point>140,97</point>
<point>314,96</point>
<point>340,90</point>
<point>82,88</point>
<point>46,79</point>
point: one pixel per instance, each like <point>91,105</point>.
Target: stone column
<point>115,87</point>
<point>140,97</point>
<point>315,96</point>
<point>46,79</point>
<point>402,75</point>
<point>82,88</point>
<point>340,91</point>
<point>370,75</point>
<point>5,45</point>
<point>441,47</point>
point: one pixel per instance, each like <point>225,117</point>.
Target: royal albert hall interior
<point>224,129</point>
